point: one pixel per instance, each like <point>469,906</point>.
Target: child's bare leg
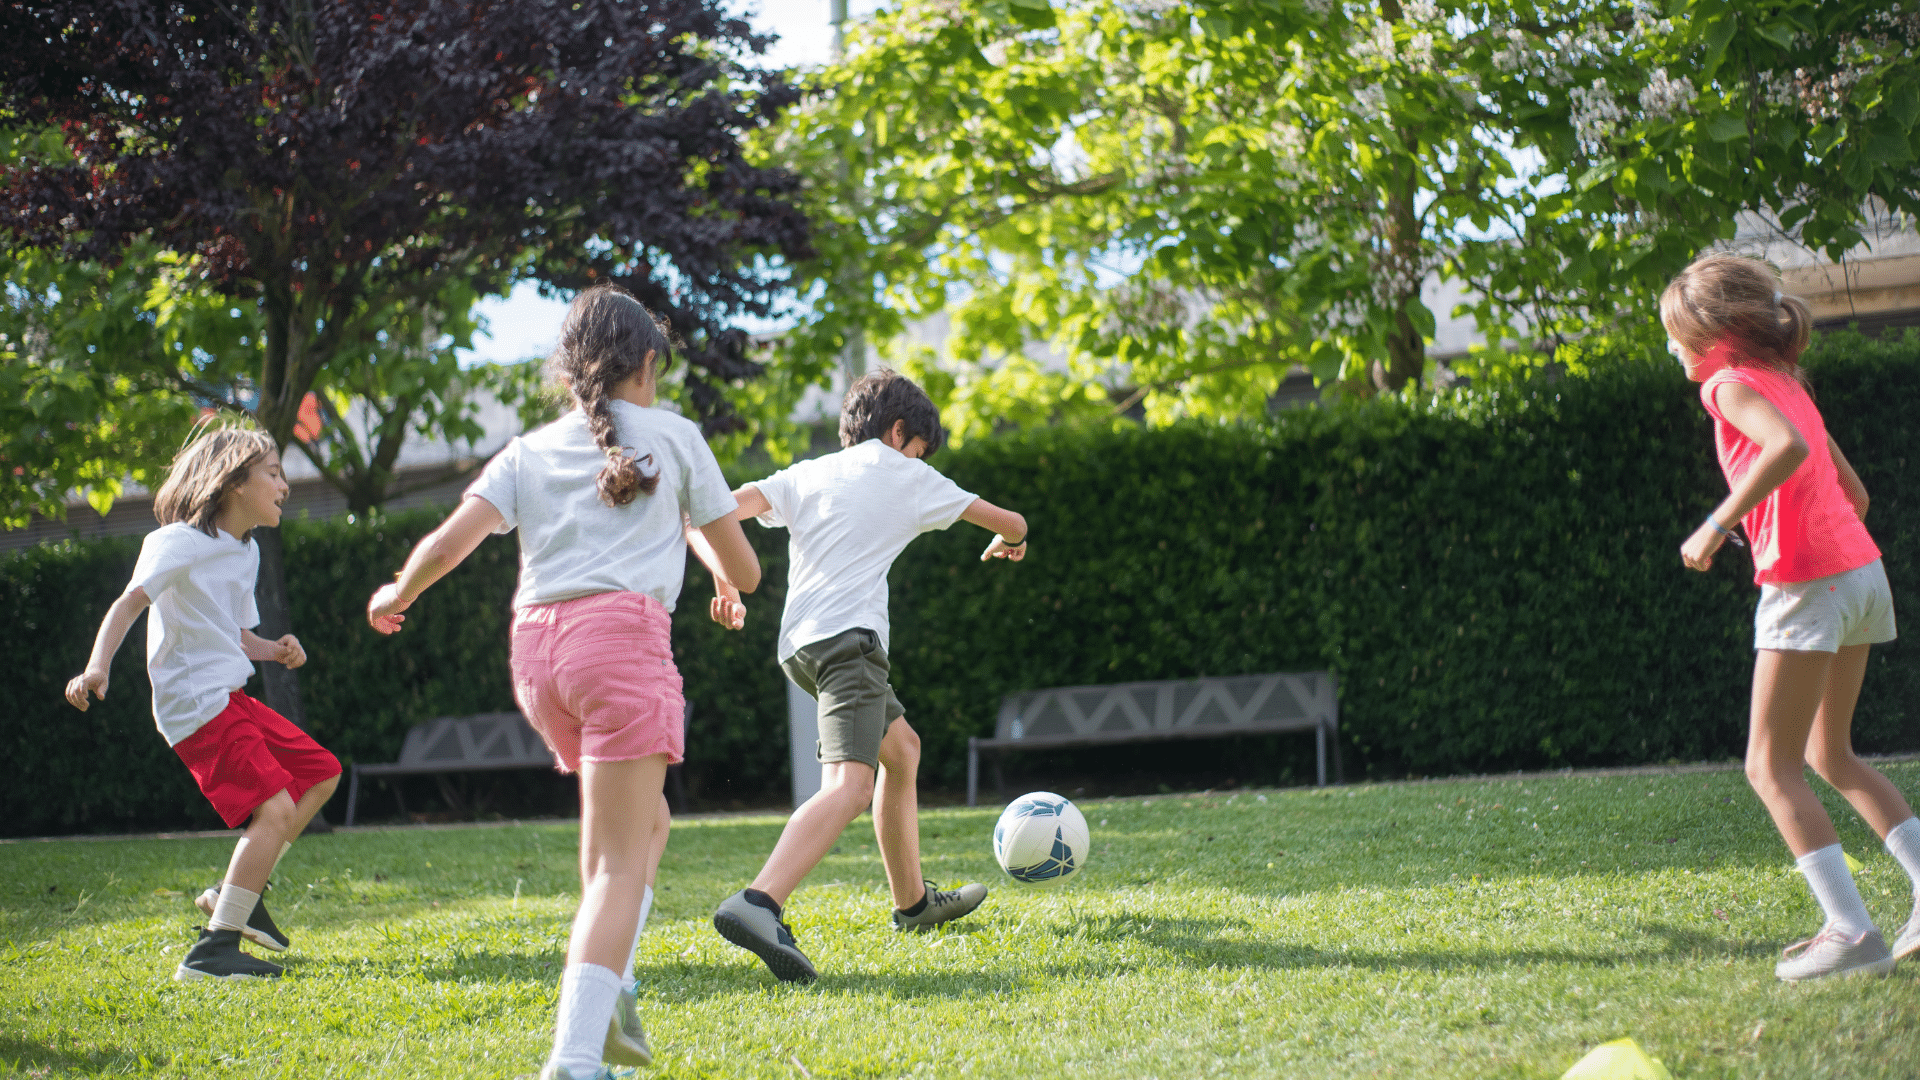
<point>619,802</point>
<point>311,802</point>
<point>657,843</point>
<point>274,823</point>
<point>846,788</point>
<point>1830,748</point>
<point>1787,692</point>
<point>896,813</point>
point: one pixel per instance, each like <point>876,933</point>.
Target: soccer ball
<point>1040,838</point>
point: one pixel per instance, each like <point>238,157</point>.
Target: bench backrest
<point>1219,704</point>
<point>504,739</point>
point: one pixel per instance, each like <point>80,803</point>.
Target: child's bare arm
<point>113,630</point>
<point>437,553</point>
<point>1011,529</point>
<point>753,502</point>
<point>726,608</point>
<point>1856,491</point>
<point>1782,449</point>
<point>286,650</point>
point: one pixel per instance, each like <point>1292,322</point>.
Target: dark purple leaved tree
<point>331,160</point>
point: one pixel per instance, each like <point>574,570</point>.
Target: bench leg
<point>393,785</point>
<point>973,774</point>
<point>353,794</point>
<point>1320,752</point>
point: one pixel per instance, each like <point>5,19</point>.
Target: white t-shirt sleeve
<point>165,557</point>
<point>941,500</point>
<point>781,493</point>
<point>705,498</point>
<point>498,484</point>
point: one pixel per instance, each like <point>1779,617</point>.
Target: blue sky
<point>525,324</point>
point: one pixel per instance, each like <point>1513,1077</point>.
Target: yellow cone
<point>1854,865</point>
<point>1621,1059</point>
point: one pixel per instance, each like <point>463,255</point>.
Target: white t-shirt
<point>574,545</point>
<point>202,592</point>
<point>851,514</point>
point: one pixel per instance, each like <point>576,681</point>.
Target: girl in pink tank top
<point>1824,599</point>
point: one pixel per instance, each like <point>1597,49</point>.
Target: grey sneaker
<point>626,1039</point>
<point>604,1072</point>
<point>943,905</point>
<point>1832,953</point>
<point>1908,942</point>
<point>761,933</point>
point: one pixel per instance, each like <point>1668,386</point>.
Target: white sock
<point>1832,884</point>
<point>646,905</point>
<point>1903,843</point>
<point>231,910</point>
<point>587,992</point>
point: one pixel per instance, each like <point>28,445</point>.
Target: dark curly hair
<point>607,336</point>
<point>875,401</point>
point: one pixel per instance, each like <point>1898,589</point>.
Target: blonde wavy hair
<point>1723,296</point>
<point>212,465</point>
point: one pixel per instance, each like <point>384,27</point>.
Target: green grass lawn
<point>1466,928</point>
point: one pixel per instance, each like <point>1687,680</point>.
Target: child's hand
<point>383,611</point>
<point>726,609</point>
<point>1698,551</point>
<point>290,653</point>
<point>78,686</point>
<point>1000,549</point>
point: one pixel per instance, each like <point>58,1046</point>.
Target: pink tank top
<point>1805,528</point>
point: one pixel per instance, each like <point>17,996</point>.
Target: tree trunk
<point>280,685</point>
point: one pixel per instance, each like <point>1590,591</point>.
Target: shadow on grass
<point>21,1057</point>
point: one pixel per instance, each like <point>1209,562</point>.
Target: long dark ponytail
<point>607,336</point>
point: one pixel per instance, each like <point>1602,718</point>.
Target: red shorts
<point>248,754</point>
<point>595,677</point>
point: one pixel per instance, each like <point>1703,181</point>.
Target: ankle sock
<point>916,909</point>
<point>587,993</point>
<point>1903,843</point>
<point>646,905</point>
<point>1832,884</point>
<point>231,911</point>
<point>760,899</point>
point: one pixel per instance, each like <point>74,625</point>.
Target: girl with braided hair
<point>605,499</point>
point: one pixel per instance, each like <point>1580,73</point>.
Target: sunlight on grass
<point>1469,928</point>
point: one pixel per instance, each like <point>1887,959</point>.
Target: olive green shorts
<point>847,675</point>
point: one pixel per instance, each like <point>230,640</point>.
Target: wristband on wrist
<point>1014,543</point>
<point>1726,532</point>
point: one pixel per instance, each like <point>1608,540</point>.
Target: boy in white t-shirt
<point>198,572</point>
<point>850,515</point>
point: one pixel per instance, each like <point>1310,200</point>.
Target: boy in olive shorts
<point>850,514</point>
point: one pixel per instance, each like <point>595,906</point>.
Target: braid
<point>621,480</point>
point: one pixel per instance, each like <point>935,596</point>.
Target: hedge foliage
<point>1494,576</point>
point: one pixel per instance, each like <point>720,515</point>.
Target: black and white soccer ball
<point>1041,838</point>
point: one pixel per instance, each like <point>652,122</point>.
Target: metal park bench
<point>1160,711</point>
<point>502,740</point>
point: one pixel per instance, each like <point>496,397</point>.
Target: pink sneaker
<point>1832,953</point>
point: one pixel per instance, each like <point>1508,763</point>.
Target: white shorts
<point>1826,614</point>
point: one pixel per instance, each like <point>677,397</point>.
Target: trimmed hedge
<point>1494,576</point>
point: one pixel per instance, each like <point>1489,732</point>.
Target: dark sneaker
<point>761,933</point>
<point>259,929</point>
<point>943,905</point>
<point>217,955</point>
<point>626,1039</point>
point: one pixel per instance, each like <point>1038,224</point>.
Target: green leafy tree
<point>1188,199</point>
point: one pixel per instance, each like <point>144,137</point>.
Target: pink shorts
<point>595,677</point>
